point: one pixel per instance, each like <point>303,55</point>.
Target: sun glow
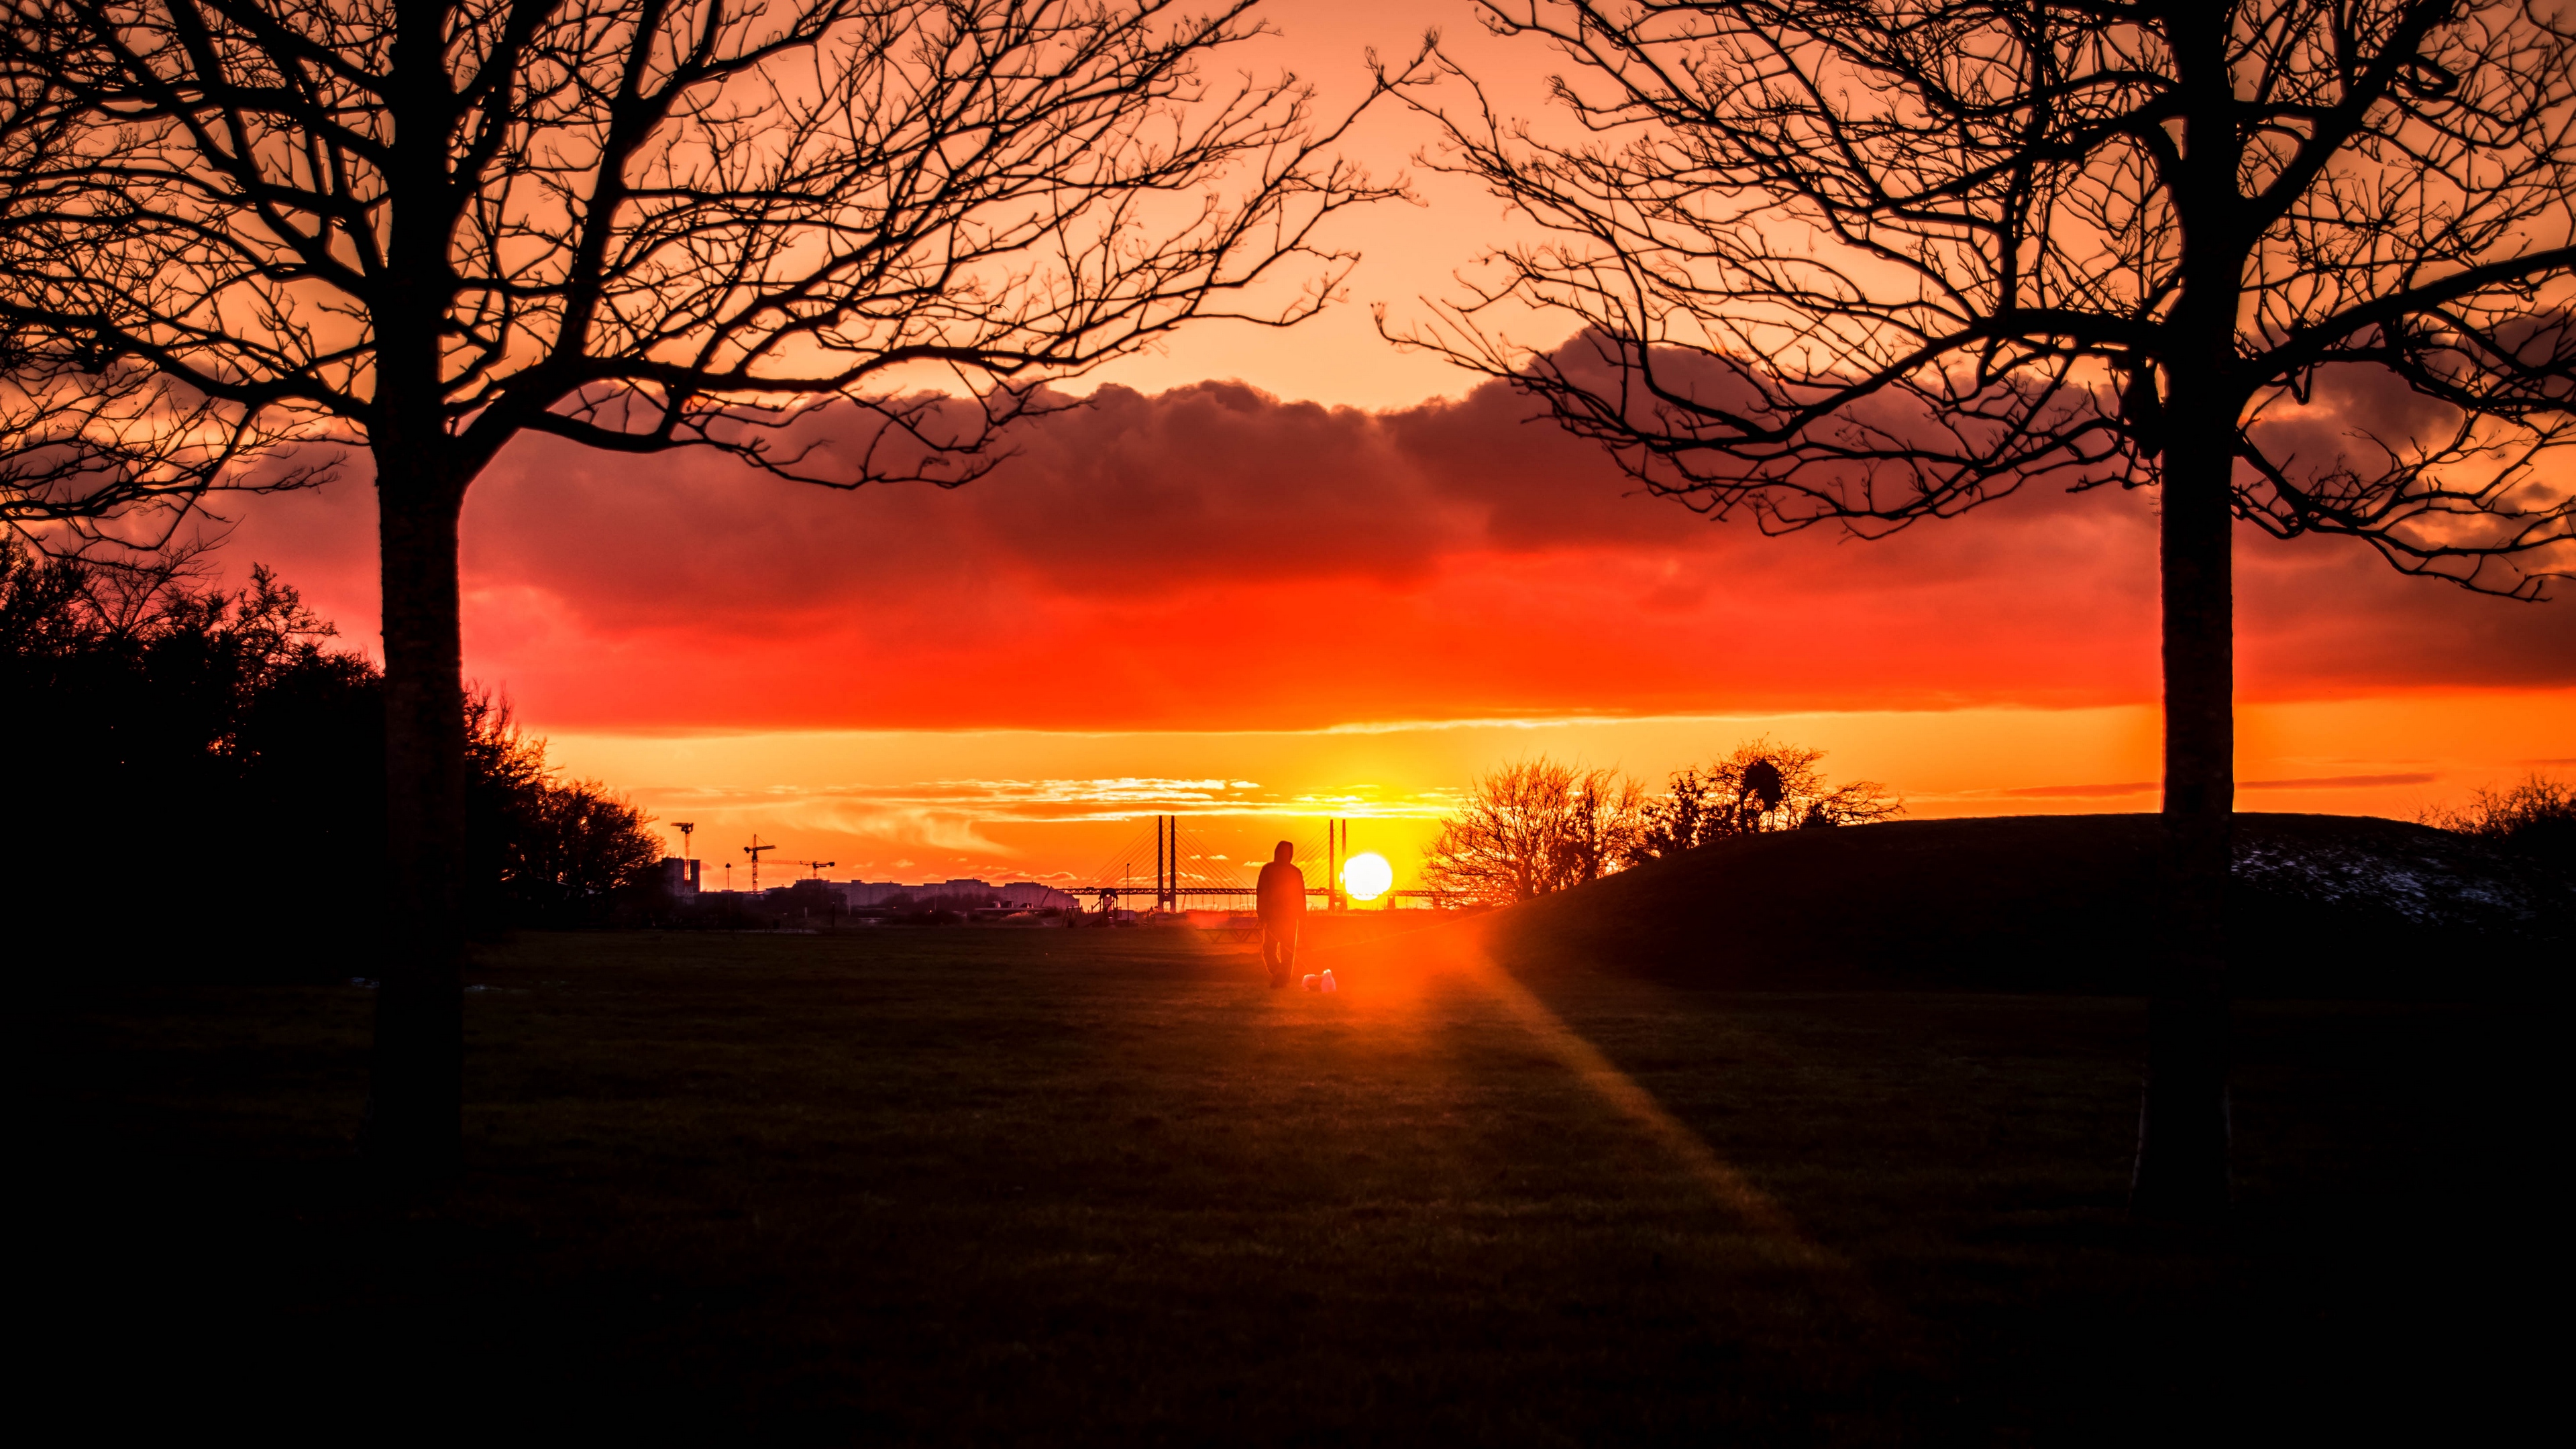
<point>1367,875</point>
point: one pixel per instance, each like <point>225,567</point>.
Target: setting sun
<point>1367,875</point>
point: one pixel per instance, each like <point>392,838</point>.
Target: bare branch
<point>1887,260</point>
<point>649,223</point>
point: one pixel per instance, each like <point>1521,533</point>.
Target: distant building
<point>679,877</point>
<point>957,895</point>
<point>806,895</point>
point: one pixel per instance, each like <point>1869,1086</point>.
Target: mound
<point>2323,905</point>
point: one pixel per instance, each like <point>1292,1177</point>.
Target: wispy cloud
<point>2143,787</point>
<point>945,814</point>
<point>2071,792</point>
<point>2339,782</point>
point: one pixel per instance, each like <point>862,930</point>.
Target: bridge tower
<point>1167,862</point>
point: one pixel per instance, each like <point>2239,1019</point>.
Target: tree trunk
<point>2183,1121</point>
<point>416,1100</point>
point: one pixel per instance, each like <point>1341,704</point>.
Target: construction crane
<point>753,850</point>
<point>816,866</point>
<point>688,858</point>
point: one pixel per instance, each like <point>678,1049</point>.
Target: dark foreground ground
<point>997,1186</point>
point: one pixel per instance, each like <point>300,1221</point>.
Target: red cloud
<point>1215,557</point>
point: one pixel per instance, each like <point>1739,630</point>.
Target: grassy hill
<point>2324,905</point>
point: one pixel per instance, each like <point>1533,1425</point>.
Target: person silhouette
<point>1282,898</point>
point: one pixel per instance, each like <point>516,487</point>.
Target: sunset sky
<point>1269,577</point>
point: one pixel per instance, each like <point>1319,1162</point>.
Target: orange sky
<point>1269,576</point>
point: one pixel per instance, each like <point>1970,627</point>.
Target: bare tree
<point>1686,816</point>
<point>241,231</point>
<point>1601,822</point>
<point>2303,263</point>
<point>2535,815</point>
<point>1533,828</point>
<point>1760,787</point>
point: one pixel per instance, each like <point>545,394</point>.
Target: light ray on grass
<point>1460,951</point>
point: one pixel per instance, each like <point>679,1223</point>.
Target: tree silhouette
<point>1533,828</point>
<point>2303,263</point>
<point>239,230</point>
<point>1761,786</point>
<point>542,850</point>
<point>2535,816</point>
<point>168,707</point>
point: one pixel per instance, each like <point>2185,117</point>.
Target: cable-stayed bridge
<point>1184,878</point>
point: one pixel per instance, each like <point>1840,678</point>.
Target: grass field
<point>997,1186</point>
